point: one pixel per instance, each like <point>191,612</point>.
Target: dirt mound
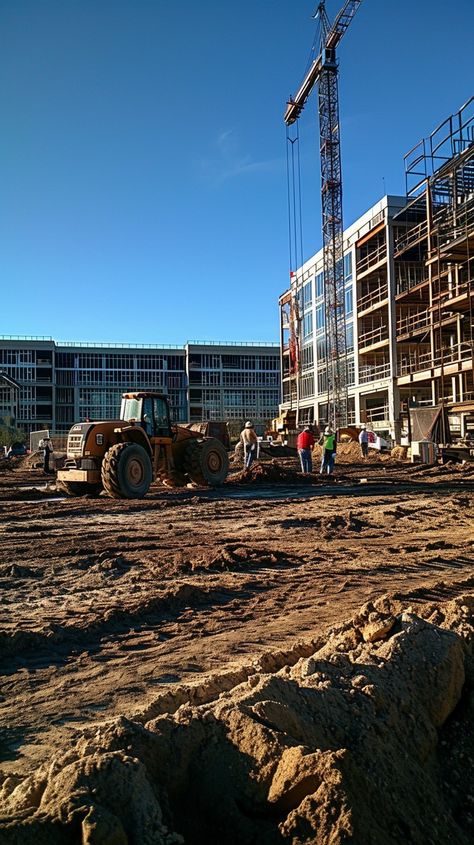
<point>350,453</point>
<point>348,744</point>
<point>236,556</point>
<point>399,453</point>
<point>272,472</point>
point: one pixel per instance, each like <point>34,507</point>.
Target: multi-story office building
<point>61,383</point>
<point>408,268</point>
<point>233,382</point>
<point>369,317</point>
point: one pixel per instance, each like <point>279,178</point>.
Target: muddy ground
<point>152,611</point>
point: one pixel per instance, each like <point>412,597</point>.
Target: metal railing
<point>408,274</point>
<point>455,222</point>
<point>25,337</point>
<point>416,362</point>
<point>372,298</point>
<point>246,343</point>
<point>377,335</point>
<point>445,292</point>
<point>373,373</point>
<point>371,259</point>
<point>452,354</point>
<point>413,322</point>
<point>102,345</point>
<point>410,237</point>
<point>377,414</point>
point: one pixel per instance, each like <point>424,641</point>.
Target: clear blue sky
<point>143,158</point>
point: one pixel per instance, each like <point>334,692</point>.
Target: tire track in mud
<point>235,610</point>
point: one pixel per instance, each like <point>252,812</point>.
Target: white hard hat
<point>363,425</point>
<point>328,430</point>
<point>249,424</point>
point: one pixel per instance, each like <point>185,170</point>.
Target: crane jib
<point>296,104</point>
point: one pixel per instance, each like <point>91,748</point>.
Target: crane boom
<point>296,104</point>
<point>324,70</point>
<point>341,23</point>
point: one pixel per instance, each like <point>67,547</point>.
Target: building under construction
<point>408,268</point>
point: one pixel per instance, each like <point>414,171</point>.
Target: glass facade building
<point>63,383</point>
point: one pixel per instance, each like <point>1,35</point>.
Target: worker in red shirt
<point>304,444</point>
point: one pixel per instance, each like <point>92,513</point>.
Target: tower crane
<point>324,71</point>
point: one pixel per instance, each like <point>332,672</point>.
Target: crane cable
<point>294,202</point>
<point>295,237</point>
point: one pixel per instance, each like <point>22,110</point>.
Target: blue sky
<point>143,157</point>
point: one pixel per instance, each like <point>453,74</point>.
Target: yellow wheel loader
<point>124,456</point>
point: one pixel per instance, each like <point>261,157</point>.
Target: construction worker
<point>47,448</point>
<point>304,444</point>
<point>328,442</point>
<point>364,440</point>
<point>249,440</point>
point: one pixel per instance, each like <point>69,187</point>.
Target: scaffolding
<point>435,234</point>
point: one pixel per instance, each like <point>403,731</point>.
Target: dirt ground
<point>281,660</point>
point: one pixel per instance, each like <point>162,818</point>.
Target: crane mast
<point>324,71</point>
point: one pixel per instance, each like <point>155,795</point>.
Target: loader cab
<point>151,411</point>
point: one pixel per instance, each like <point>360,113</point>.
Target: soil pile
<point>367,740</point>
<point>350,453</point>
<point>274,472</point>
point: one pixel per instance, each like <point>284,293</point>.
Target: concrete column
<point>357,407</point>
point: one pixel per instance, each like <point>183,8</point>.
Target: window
<point>322,381</point>
<point>348,301</point>
<point>160,409</point>
<point>308,325</point>
<point>319,285</point>
<point>321,349</point>
<point>307,387</point>
<point>348,267</point>
<point>320,318</point>
<point>350,337</point>
<point>307,295</point>
<point>307,357</point>
<point>350,372</point>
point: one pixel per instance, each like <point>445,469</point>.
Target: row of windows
<point>18,357</point>
<point>209,378</point>
<point>98,361</point>
<point>323,377</point>
<point>234,362</point>
<point>319,280</point>
<point>321,343</point>
<point>307,387</point>
<point>238,415</point>
<point>127,379</point>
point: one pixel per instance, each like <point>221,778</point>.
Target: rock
<point>377,629</point>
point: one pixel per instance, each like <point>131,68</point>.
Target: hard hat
<point>363,425</point>
<point>328,430</point>
<point>249,424</point>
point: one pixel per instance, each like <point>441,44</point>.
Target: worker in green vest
<point>328,442</point>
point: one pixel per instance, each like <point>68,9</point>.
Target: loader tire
<point>206,462</point>
<point>126,471</point>
<point>81,488</point>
